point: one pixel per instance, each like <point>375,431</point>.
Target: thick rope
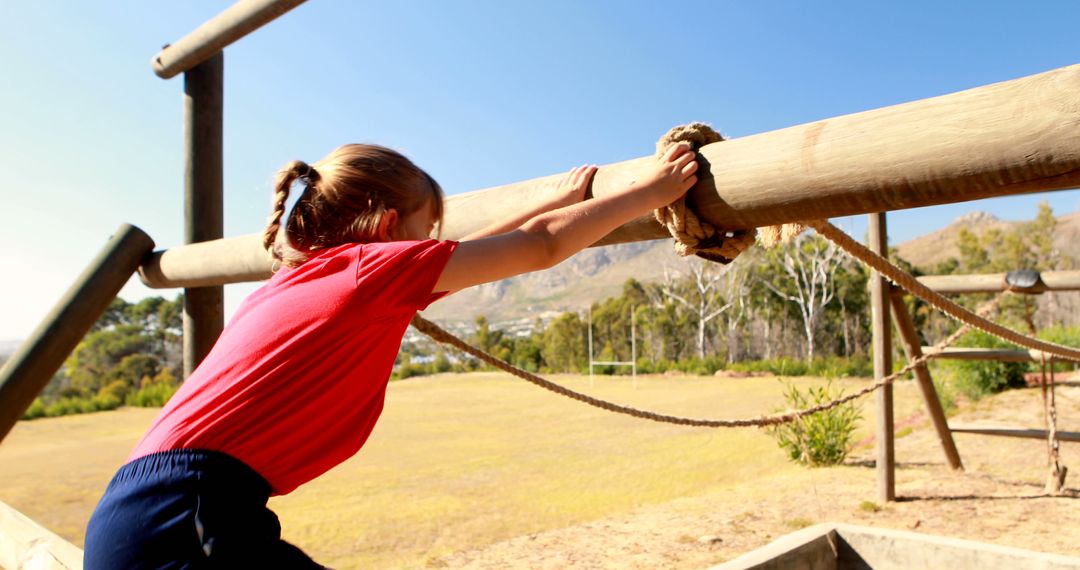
<point>898,276</point>
<point>1055,480</point>
<point>438,334</point>
<point>694,236</point>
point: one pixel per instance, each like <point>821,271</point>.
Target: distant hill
<point>600,272</point>
<point>937,246</point>
<point>597,273</point>
<point>572,285</point>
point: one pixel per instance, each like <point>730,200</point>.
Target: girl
<point>296,381</point>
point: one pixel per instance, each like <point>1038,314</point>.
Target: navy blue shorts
<point>187,508</point>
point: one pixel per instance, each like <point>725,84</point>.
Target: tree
<point>1028,245</point>
<point>801,272</point>
<point>853,301</point>
<point>737,285</point>
<point>129,342</point>
<point>564,344</point>
<point>611,321</point>
<point>699,293</point>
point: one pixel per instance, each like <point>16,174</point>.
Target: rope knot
<point>696,236</point>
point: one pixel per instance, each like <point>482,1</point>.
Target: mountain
<point>937,246</point>
<point>600,272</point>
<point>572,285</point>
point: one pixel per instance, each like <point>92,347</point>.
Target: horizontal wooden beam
<point>1007,138</point>
<point>995,282</point>
<point>38,358</point>
<point>1000,354</point>
<point>1017,432</point>
<point>235,22</point>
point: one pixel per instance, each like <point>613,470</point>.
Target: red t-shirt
<point>297,379</point>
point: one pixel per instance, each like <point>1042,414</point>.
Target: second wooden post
<point>879,303</point>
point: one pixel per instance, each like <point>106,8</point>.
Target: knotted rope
<point>698,237</point>
<point>1055,480</point>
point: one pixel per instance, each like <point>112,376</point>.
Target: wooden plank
<point>1072,436</point>
<point>995,282</point>
<point>39,357</point>
<point>26,544</point>
<point>910,339</point>
<point>997,140</point>
<point>1000,354</point>
<point>882,348</point>
<point>209,39</point>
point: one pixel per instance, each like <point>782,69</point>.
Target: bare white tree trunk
<point>738,291</point>
<point>810,268</point>
<point>703,280</point>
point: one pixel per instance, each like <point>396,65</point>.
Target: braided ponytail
<point>295,170</point>
<point>344,200</point>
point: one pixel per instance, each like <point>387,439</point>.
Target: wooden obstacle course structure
<point>831,546</point>
<point>909,337</point>
<point>995,282</point>
<point>979,143</point>
<point>1026,282</point>
<point>1042,434</point>
<point>882,349</point>
<point>216,34</point>
<point>24,544</point>
<point>38,358</point>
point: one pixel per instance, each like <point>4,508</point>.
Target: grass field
<point>456,462</point>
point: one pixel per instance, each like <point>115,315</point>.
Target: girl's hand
<point>573,186</point>
<point>570,190</point>
<point>670,178</point>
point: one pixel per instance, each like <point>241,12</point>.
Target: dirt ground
<point>482,471</point>
<point>999,498</point>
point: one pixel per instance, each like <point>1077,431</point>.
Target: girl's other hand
<point>574,185</point>
<point>670,178</point>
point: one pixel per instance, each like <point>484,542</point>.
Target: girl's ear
<point>387,224</point>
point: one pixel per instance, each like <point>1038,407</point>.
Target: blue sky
<point>478,93</point>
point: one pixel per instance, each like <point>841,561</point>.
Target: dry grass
<point>457,462</point>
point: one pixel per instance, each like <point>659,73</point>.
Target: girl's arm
<point>550,237</point>
<point>570,190</point>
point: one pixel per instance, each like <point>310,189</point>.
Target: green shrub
<point>869,507</point>
<point>117,389</point>
<point>782,366</point>
<point>36,410</point>
<point>824,438</point>
<point>946,394</point>
<point>1068,336</point>
<point>69,406</point>
<point>798,523</point>
<point>152,395</point>
<point>978,378</point>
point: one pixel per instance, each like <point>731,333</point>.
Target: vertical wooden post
<point>204,313</point>
<point>879,303</point>
<point>29,370</point>
<point>913,348</point>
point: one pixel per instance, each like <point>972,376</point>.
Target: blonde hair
<point>344,198</point>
